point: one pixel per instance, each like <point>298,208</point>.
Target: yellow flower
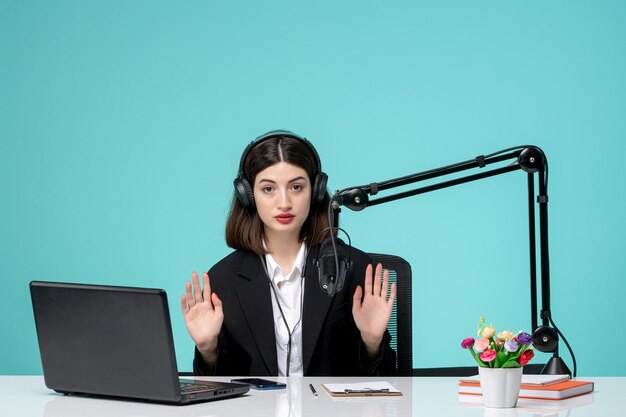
<point>488,332</point>
<point>505,335</point>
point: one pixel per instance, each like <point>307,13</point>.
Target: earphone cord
<point>282,315</point>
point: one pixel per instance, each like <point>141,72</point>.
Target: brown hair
<point>244,228</point>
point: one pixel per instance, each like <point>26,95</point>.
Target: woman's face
<point>282,193</point>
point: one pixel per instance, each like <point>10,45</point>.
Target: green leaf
<point>501,358</point>
<point>511,364</point>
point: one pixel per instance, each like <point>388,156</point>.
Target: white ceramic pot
<point>500,386</point>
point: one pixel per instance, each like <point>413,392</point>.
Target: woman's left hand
<point>372,310</point>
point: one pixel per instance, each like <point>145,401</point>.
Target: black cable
<point>332,234</point>
<point>514,148</point>
<point>546,176</point>
<point>290,331</point>
<point>569,348</point>
<point>571,352</point>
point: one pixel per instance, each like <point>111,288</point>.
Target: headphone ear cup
<point>245,195</point>
<point>319,188</point>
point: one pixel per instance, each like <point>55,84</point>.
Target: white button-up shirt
<point>289,289</point>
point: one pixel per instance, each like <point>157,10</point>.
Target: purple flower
<point>524,338</point>
<point>467,342</point>
<point>511,345</point>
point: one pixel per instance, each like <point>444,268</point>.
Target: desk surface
<point>27,396</point>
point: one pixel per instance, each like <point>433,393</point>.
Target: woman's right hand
<point>203,316</point>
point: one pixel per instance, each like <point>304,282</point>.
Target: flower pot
<point>500,386</point>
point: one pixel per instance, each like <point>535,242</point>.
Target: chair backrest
<point>401,324</point>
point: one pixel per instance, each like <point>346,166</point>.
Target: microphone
<point>332,271</point>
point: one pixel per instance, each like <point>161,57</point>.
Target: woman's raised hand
<point>203,315</point>
<point>372,310</point>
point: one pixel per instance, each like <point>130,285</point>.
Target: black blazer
<point>331,342</point>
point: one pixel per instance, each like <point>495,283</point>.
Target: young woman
<point>262,312</point>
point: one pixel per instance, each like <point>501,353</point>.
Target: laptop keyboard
<point>190,387</point>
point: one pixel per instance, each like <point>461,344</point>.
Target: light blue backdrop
<point>122,124</point>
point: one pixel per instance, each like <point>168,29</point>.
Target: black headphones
<point>243,189</point>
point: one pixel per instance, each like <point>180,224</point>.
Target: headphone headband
<point>244,189</point>
<point>275,134</point>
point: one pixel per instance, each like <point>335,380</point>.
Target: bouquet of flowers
<point>504,350</point>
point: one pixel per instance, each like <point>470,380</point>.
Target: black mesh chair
<point>401,324</point>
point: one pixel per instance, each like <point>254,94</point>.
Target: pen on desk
<point>313,390</point>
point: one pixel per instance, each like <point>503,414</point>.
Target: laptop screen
<point>106,340</point>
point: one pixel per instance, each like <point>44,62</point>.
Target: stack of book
<point>538,407</point>
<point>534,387</point>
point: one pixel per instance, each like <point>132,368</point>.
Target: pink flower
<point>481,344</point>
<point>525,357</point>
<point>488,355</point>
<point>467,342</point>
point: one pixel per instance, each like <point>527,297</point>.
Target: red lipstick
<point>284,218</point>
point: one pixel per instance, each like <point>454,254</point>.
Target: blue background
<point>122,124</point>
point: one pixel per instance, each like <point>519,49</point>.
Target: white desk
<point>27,396</point>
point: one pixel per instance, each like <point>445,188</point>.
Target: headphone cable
<point>290,331</point>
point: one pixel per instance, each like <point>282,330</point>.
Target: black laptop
<point>113,341</point>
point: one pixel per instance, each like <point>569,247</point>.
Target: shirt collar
<point>275,272</point>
